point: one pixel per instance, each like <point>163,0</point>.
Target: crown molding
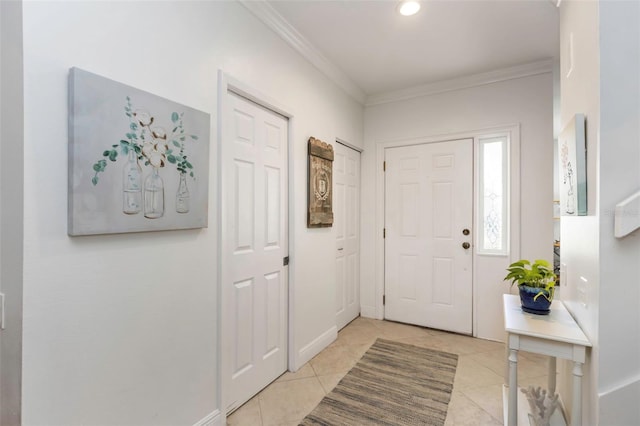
<point>503,74</point>
<point>272,19</point>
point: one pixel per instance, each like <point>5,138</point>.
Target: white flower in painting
<point>147,149</point>
<point>156,159</point>
<point>161,146</point>
<point>159,133</point>
<point>143,117</point>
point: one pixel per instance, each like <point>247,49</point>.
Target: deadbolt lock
<point>465,232</point>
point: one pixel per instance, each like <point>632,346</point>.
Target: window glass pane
<point>493,179</point>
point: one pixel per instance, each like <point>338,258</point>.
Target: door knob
<point>465,232</point>
<point>466,245</point>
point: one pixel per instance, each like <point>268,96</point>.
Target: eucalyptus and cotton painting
<point>137,162</point>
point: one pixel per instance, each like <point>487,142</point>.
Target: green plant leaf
<point>94,180</point>
<point>194,137</point>
<point>113,155</point>
<point>176,143</point>
<point>175,117</point>
<point>171,159</point>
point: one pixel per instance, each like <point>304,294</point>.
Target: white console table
<point>556,335</point>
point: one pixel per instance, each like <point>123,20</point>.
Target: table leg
<point>552,375</point>
<point>513,387</point>
<point>576,410</point>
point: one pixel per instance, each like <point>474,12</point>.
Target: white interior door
<point>254,305</point>
<point>346,201</point>
<point>428,207</point>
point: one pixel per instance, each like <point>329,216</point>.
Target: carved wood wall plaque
<point>320,212</point>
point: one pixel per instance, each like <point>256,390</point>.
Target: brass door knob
<point>466,245</point>
<point>465,232</point>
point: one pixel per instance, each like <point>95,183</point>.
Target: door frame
<point>513,131</point>
<point>359,151</point>
<point>226,84</point>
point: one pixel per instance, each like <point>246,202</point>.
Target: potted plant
<point>536,282</point>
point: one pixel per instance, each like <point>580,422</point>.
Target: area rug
<point>392,384</point>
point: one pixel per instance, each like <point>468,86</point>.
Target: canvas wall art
<point>320,205</point>
<point>137,162</point>
<point>573,168</point>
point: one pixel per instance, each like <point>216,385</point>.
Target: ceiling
<point>381,51</point>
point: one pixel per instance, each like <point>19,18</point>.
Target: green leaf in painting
<point>176,143</point>
<point>94,180</point>
<point>171,159</point>
<point>194,137</point>
<point>175,117</point>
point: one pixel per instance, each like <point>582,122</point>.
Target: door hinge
<point>384,166</point>
<point>384,299</point>
<point>2,311</point>
<point>384,232</point>
<point>285,261</point>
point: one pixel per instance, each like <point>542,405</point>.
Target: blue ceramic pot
<point>540,306</point>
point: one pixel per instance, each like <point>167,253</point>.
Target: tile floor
<point>477,389</point>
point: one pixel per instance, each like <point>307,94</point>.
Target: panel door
<point>428,205</point>
<point>254,245</point>
<point>346,201</point>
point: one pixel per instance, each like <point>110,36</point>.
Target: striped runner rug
<point>392,384</point>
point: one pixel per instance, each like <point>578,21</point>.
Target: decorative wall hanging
<point>320,212</point>
<point>573,168</point>
<point>137,162</point>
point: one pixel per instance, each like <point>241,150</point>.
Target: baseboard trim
<point>368,312</point>
<point>316,346</point>
<point>212,419</point>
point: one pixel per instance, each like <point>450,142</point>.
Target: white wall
<point>604,85</point>
<point>525,101</point>
<point>122,329</point>
<point>11,208</point>
<point>619,338</point>
<point>579,238</point>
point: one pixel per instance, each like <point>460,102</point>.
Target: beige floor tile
<point>395,330</point>
<point>290,401</point>
<point>463,411</point>
<point>334,359</point>
<point>304,372</point>
<point>471,374</point>
<point>489,398</point>
<point>247,415</point>
<point>493,360</point>
<point>477,396</point>
<point>330,381</point>
<point>359,333</point>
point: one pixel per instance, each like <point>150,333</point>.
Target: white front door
<point>346,202</point>
<point>428,207</point>
<point>254,235</point>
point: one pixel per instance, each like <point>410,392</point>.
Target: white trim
<point>211,419</point>
<point>272,19</point>
<point>513,130</point>
<point>227,84</point>
<point>495,76</point>
<point>316,346</point>
<point>279,25</point>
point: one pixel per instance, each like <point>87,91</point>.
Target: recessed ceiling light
<point>409,7</point>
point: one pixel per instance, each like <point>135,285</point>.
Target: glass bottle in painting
<point>132,185</point>
<point>183,198</point>
<point>154,195</point>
